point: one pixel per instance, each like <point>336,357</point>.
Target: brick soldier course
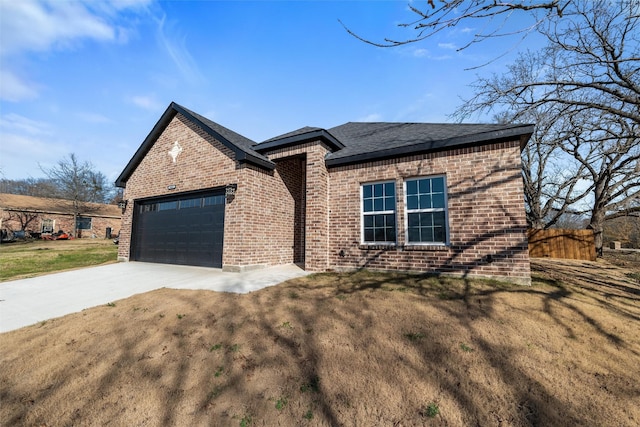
<point>308,196</point>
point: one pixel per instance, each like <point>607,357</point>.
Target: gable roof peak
<point>241,146</point>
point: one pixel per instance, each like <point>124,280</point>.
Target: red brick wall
<point>260,230</point>
<point>65,223</point>
<point>259,220</point>
<point>486,214</point>
<point>292,171</point>
<point>316,202</point>
<point>203,163</point>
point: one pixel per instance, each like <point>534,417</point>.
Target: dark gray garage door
<point>186,230</point>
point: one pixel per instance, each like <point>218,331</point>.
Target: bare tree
<point>37,187</point>
<point>434,16</point>
<point>589,76</point>
<point>551,178</point>
<point>610,153</point>
<point>24,218</point>
<point>80,183</point>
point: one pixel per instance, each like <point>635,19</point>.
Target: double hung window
<point>83,223</point>
<point>426,210</point>
<point>379,213</point>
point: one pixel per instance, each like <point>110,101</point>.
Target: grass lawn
<point>28,259</point>
<point>361,349</point>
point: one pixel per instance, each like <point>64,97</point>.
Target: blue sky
<point>92,78</point>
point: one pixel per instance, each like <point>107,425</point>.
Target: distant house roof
<point>15,202</point>
<point>352,142</point>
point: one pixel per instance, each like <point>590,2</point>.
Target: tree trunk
<point>597,225</point>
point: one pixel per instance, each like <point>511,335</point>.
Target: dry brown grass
<point>360,349</point>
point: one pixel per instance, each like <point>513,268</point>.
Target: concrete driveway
<point>28,301</point>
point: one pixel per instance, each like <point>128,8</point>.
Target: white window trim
<point>362,213</point>
<point>446,212</point>
<point>53,225</point>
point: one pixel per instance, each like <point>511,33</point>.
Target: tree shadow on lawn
<point>340,348</point>
<point>537,405</point>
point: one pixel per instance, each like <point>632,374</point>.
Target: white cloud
<point>146,102</point>
<point>45,25</point>
<point>14,89</point>
<point>175,46</point>
<point>450,46</point>
<point>419,53</point>
<point>12,122</point>
<point>373,117</point>
<point>30,25</point>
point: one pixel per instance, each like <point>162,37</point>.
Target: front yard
<point>20,260</point>
<point>362,349</point>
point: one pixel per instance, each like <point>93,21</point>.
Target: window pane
<point>378,204</point>
<point>389,203</point>
<point>389,189</point>
<point>368,221</point>
<point>424,185</point>
<point>164,206</point>
<point>368,235</point>
<point>412,202</point>
<point>367,191</point>
<point>426,234</point>
<point>213,200</point>
<point>368,205</point>
<point>438,200</point>
<point>391,234</point>
<point>190,203</point>
<point>438,219</point>
<point>426,219</point>
<point>83,223</point>
<point>425,202</point>
<point>438,185</point>
<point>377,190</point>
<point>414,234</point>
<point>438,234</point>
<point>414,220</point>
<point>412,187</point>
<point>379,235</point>
<point>390,220</point>
<point>379,220</point>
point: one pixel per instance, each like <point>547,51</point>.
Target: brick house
<point>445,198</point>
<point>43,215</point>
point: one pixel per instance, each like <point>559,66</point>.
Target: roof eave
<point>523,133</point>
<point>241,155</point>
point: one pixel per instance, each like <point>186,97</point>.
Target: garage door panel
<point>187,230</point>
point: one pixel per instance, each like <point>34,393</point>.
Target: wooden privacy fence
<point>557,243</point>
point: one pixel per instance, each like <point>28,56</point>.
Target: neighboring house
<point>444,198</point>
<point>46,215</point>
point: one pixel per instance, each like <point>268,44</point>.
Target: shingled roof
<point>372,141</point>
<point>20,203</point>
<point>352,142</point>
